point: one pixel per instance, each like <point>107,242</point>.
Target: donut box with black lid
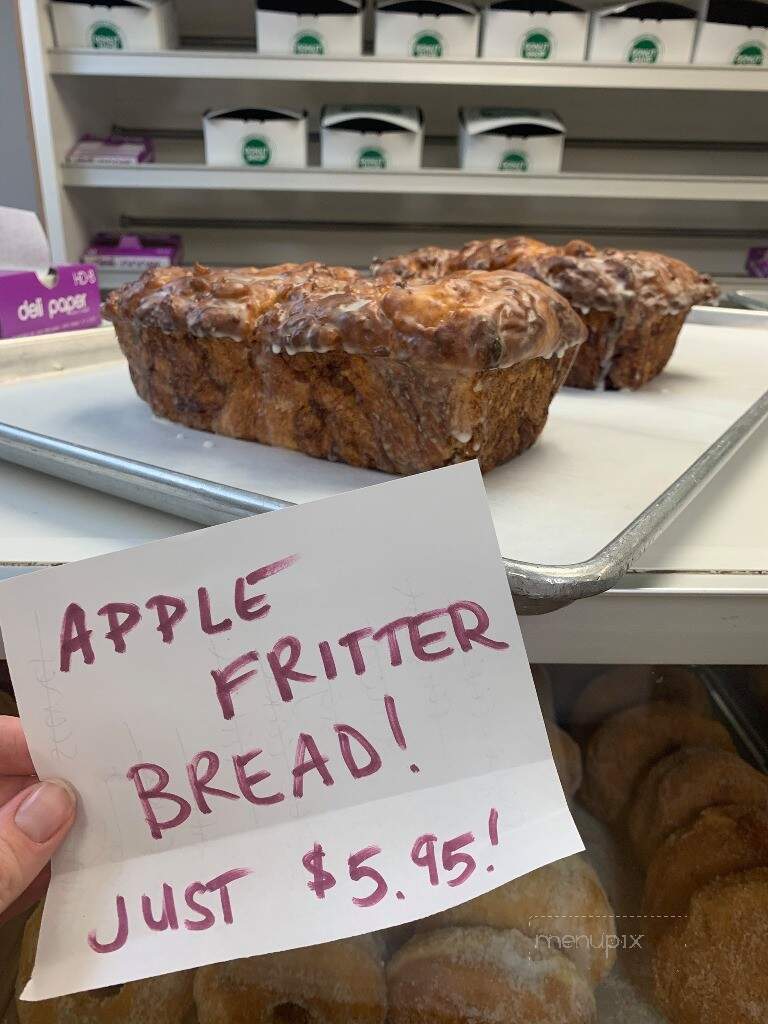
<point>115,24</point>
<point>310,28</point>
<point>427,29</point>
<point>511,141</point>
<point>371,138</point>
<point>538,30</point>
<point>644,33</point>
<point>734,32</point>
<point>257,137</point>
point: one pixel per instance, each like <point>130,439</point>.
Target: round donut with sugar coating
<point>720,841</point>
<point>627,745</point>
<point>684,783</point>
<point>161,1000</point>
<point>627,686</point>
<point>712,966</point>
<point>561,905</point>
<point>336,983</point>
<point>484,976</point>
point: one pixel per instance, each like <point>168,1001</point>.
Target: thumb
<point>32,826</point>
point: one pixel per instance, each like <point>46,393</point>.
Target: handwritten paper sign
<point>285,730</point>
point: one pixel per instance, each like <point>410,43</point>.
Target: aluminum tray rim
<point>536,587</point>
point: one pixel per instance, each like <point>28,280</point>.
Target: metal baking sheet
<point>610,471</point>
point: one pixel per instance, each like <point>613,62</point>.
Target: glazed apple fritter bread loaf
<point>400,376</point>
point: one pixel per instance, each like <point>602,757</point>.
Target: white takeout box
<point>371,138</point>
<point>735,32</point>
<point>323,28</point>
<point>426,28</point>
<point>129,25</point>
<point>511,141</point>
<point>634,33</point>
<point>255,137</point>
<point>534,30</point>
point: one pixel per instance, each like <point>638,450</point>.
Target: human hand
<point>34,819</point>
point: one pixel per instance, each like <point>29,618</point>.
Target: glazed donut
<point>681,785</point>
<point>720,841</point>
<point>624,747</point>
<point>336,982</point>
<point>150,1001</point>
<point>629,685</point>
<point>713,966</point>
<point>567,755</point>
<point>562,904</point>
<point>484,976</point>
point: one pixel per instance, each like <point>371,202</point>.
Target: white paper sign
<point>285,730</point>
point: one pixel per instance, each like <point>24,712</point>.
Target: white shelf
<point>245,64</point>
<point>699,188</point>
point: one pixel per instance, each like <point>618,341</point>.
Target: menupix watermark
<point>586,937</point>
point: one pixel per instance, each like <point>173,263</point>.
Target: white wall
<point>17,177</point>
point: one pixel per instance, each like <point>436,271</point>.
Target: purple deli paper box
<point>133,252</point>
<point>31,305</point>
<point>36,298</point>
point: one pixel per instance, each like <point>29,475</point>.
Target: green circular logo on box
<point>750,55</point>
<point>427,44</point>
<point>106,36</point>
<point>372,159</point>
<point>537,45</point>
<point>645,50</point>
<point>514,161</point>
<point>256,151</point>
<point>308,44</point>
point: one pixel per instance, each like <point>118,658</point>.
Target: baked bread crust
<point>395,376</point>
<point>633,303</point>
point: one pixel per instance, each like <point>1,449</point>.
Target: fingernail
<point>45,810</point>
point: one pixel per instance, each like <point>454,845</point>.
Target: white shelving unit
<point>628,187</point>
<point>242,64</point>
<point>641,168</point>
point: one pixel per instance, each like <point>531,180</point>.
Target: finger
<point>32,825</point>
<point>31,895</point>
<point>13,784</point>
<point>14,754</point>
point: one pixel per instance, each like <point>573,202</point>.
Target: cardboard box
<point>371,138</point>
<point>305,28</point>
<point>512,141</point>
<point>735,32</point>
<point>534,30</point>
<point>36,298</point>
<point>427,29</point>
<point>643,33</point>
<point>118,25</point>
<point>255,137</point>
<point>133,252</point>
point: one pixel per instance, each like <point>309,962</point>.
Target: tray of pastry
<point>660,921</point>
<point>334,375</point>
